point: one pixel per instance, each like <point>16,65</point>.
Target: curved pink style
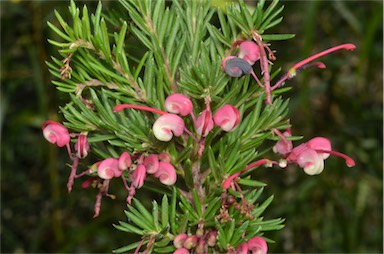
<point>227,117</point>
<point>151,164</point>
<point>168,125</point>
<point>108,169</point>
<point>125,161</point>
<point>82,146</point>
<point>178,104</point>
<point>138,176</point>
<point>257,245</point>
<point>204,123</point>
<point>166,173</point>
<point>249,51</point>
<point>55,132</point>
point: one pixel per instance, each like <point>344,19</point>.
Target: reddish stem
<point>347,46</point>
<point>72,174</point>
<point>120,107</point>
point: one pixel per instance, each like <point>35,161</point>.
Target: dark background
<point>337,211</point>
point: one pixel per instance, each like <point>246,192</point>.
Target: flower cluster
<point>197,243</point>
<point>136,171</point>
<point>251,51</point>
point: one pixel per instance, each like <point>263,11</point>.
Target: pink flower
<point>257,245</point>
<point>168,125</point>
<point>166,173</point>
<point>190,242</point>
<point>204,123</point>
<point>151,163</point>
<point>109,168</point>
<point>235,66</point>
<point>242,249</point>
<point>125,161</point>
<point>82,146</point>
<point>283,146</point>
<point>178,104</point>
<point>249,51</point>
<point>227,117</point>
<point>138,176</point>
<point>311,155</point>
<point>179,240</point>
<point>164,157</point>
<point>55,132</point>
<point>181,251</point>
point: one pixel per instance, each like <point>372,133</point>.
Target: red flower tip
<point>82,146</point>
<point>138,176</point>
<point>204,123</point>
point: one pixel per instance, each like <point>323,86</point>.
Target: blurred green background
<point>340,210</point>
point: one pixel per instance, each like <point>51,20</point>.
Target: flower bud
<point>249,51</point>
<point>108,169</point>
<point>178,104</point>
<point>166,173</point>
<point>204,123</point>
<point>190,242</point>
<point>181,251</point>
<point>179,240</point>
<point>168,125</point>
<point>151,163</point>
<point>125,161</point>
<point>212,238</point>
<point>257,245</point>
<point>55,132</point>
<point>227,117</point>
<point>138,176</point>
<point>82,146</point>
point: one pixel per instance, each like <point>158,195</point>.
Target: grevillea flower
<point>138,176</point>
<point>179,240</point>
<point>283,146</point>
<point>109,168</point>
<point>164,157</point>
<point>168,125</point>
<point>242,249</point>
<point>190,242</point>
<point>125,161</point>
<point>55,132</point>
<point>249,51</point>
<point>257,245</point>
<point>166,173</point>
<point>181,251</point>
<point>311,155</point>
<point>235,66</point>
<point>151,164</point>
<point>178,104</point>
<point>204,123</point>
<point>227,117</point>
<point>82,146</point>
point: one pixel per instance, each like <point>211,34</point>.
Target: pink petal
<point>166,173</point>
<point>179,240</point>
<point>242,249</point>
<point>138,176</point>
<point>109,168</point>
<point>311,162</point>
<point>125,161</point>
<point>320,143</point>
<point>168,125</point>
<point>283,146</point>
<point>55,132</point>
<point>257,245</point>
<point>249,51</point>
<point>151,164</point>
<point>178,104</point>
<point>82,146</point>
<point>204,123</point>
<point>227,117</point>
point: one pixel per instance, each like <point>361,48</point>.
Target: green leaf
<point>164,211</point>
